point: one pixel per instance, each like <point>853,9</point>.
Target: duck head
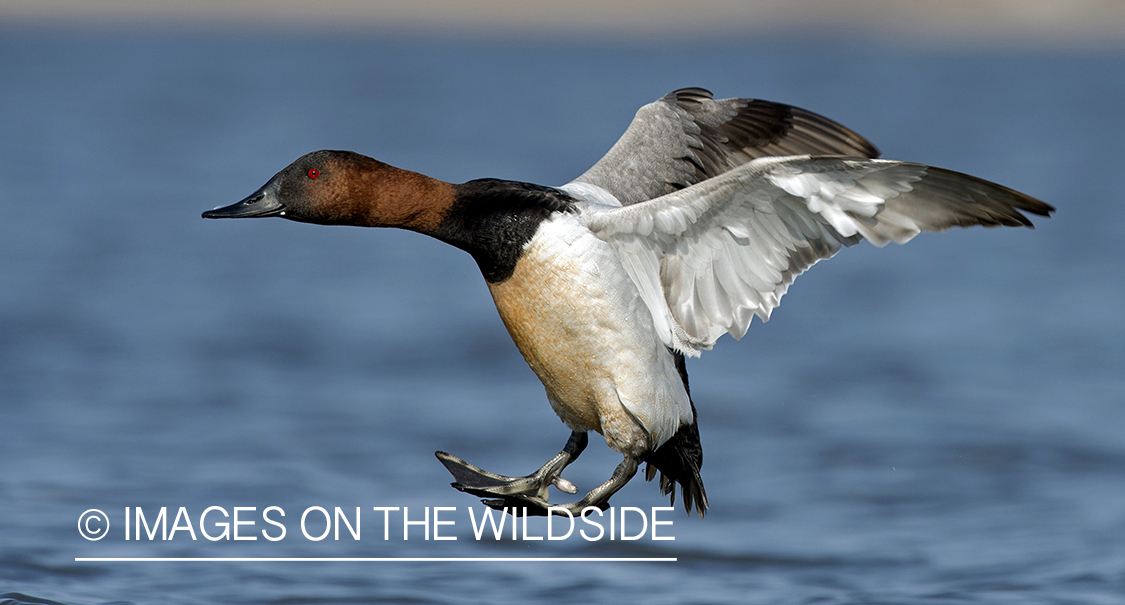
<point>346,188</point>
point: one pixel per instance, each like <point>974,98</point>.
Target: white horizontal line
<point>380,559</point>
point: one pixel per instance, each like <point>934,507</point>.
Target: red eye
<point>313,173</point>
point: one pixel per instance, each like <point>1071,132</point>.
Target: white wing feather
<point>709,257</point>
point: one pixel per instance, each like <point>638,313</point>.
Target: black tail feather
<point>680,459</point>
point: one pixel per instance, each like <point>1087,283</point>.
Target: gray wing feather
<point>687,137</point>
<point>708,258</point>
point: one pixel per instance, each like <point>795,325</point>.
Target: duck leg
<point>477,481</point>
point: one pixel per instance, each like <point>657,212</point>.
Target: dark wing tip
<point>1005,202</point>
<point>836,135</point>
<point>795,131</point>
<point>946,198</point>
<point>1027,203</point>
<point>762,128</point>
<point>1033,205</point>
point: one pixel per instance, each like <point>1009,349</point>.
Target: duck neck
<point>385,196</point>
<point>490,219</point>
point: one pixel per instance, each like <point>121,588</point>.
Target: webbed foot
<point>474,480</point>
<point>479,482</point>
<point>530,492</point>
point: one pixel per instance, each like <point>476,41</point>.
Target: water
<point>934,423</point>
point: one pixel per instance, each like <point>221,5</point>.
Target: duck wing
<point>687,137</point>
<point>709,257</point>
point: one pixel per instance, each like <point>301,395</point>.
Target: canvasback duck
<point>695,221</point>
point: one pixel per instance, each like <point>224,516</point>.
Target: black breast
<point>493,220</point>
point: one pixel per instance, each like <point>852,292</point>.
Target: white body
<point>584,329</point>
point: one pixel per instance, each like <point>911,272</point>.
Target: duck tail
<point>678,461</point>
<point>680,458</point>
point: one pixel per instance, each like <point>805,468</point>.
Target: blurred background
<point>935,423</point>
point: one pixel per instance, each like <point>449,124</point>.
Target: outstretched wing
<point>709,257</point>
<point>686,137</point>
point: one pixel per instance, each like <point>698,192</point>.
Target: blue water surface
<point>942,422</point>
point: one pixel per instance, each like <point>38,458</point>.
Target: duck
<point>695,221</point>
